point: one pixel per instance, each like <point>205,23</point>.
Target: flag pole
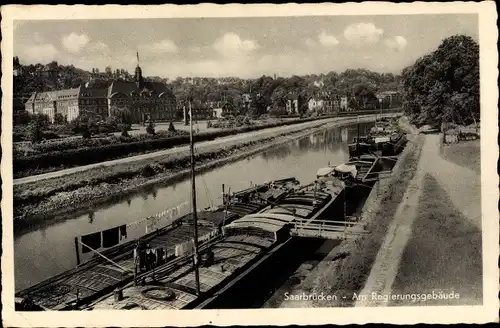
<point>193,195</point>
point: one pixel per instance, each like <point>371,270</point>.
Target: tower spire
<point>137,57</point>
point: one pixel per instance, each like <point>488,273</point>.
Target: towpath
<point>462,186</point>
<point>201,146</point>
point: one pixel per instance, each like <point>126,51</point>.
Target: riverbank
<point>48,198</point>
<point>344,270</point>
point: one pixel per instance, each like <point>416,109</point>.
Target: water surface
<point>49,250</point>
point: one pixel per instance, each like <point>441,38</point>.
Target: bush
<point>49,135</point>
<point>171,127</point>
<point>108,126</point>
<point>59,119</point>
<point>21,117</point>
<point>35,133</point>
<point>38,123</point>
<point>85,131</point>
<point>125,133</point>
<point>147,171</point>
<point>124,127</point>
<point>150,129</point>
<point>19,136</point>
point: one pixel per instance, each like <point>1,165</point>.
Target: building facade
<point>221,109</point>
<point>292,104</point>
<point>141,100</point>
<point>344,103</point>
<point>323,104</point>
<point>390,99</point>
<point>199,113</point>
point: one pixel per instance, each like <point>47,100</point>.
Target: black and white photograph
<point>300,158</point>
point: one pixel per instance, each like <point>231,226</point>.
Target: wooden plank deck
<point>231,254</point>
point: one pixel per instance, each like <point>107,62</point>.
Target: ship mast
<point>357,140</point>
<point>193,197</point>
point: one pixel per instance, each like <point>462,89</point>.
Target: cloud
<point>98,46</point>
<point>363,34</point>
<point>37,37</point>
<point>163,46</point>
<point>310,43</point>
<point>195,49</point>
<point>38,53</point>
<point>327,40</point>
<point>396,43</point>
<point>230,44</point>
<point>74,43</point>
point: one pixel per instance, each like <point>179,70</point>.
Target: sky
<point>240,47</point>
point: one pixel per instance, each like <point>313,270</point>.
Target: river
<point>48,250</point>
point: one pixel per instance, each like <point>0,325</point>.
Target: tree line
<point>253,95</point>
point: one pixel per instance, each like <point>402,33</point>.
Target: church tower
<point>139,80</point>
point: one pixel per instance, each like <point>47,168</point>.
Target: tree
<point>171,127</point>
<point>108,71</point>
<point>59,119</point>
<point>38,123</point>
<point>443,86</point>
<point>150,129</point>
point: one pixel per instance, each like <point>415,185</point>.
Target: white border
<point>488,36</point>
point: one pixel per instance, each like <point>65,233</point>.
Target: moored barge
<point>237,254</point>
<point>114,267</point>
<point>384,139</point>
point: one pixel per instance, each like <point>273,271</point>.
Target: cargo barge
<point>114,267</point>
<point>242,252</point>
<point>384,139</point>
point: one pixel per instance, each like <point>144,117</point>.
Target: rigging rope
<point>207,191</point>
<point>107,259</point>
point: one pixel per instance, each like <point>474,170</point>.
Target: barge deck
<point>114,268</point>
<point>244,242</point>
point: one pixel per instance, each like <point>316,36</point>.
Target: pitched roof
<point>123,87</point>
<point>93,92</point>
<point>128,88</point>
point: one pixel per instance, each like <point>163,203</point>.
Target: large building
<point>323,103</point>
<point>141,100</point>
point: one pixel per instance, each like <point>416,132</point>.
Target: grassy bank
<point>53,156</point>
<point>67,153</point>
<point>443,253</point>
<point>348,271</point>
<point>34,202</point>
<point>464,153</point>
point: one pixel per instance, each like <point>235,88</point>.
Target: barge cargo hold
<point>247,244</point>
<point>114,267</point>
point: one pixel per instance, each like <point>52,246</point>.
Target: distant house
<point>319,84</point>
<point>315,104</point>
<point>292,104</point>
<point>324,103</point>
<point>344,103</point>
<point>390,99</point>
<point>221,108</point>
<point>247,100</point>
<point>199,113</point>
